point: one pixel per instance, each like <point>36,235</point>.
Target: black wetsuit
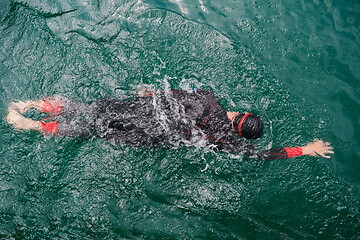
<point>172,117</point>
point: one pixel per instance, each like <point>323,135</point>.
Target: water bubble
<point>337,143</point>
<point>330,69</point>
<point>310,22</point>
<point>350,19</point>
<point>315,41</point>
<point>314,55</point>
<point>347,147</point>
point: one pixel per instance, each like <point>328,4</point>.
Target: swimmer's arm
<point>314,149</point>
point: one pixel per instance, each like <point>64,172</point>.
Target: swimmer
<point>154,117</point>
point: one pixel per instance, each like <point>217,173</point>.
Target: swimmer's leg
<point>59,105</point>
<point>74,128</point>
<point>54,105</point>
<point>51,105</point>
<point>19,122</point>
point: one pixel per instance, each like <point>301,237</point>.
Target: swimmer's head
<point>248,125</point>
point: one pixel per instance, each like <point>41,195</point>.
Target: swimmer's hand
<point>318,148</point>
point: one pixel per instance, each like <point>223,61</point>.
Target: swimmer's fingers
<point>318,148</point>
<point>324,154</point>
<point>328,149</point>
<point>325,150</point>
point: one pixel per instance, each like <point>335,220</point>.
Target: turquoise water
<point>296,63</point>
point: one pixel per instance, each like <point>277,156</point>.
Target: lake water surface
<point>295,63</point>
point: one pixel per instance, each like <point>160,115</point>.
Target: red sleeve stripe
<point>293,152</point>
<point>50,127</point>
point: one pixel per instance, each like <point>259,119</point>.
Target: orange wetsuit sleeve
<point>293,152</point>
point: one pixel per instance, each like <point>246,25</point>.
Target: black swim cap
<point>248,125</point>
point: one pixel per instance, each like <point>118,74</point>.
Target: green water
<point>296,63</point>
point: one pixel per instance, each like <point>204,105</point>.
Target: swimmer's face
<point>247,125</point>
<point>232,116</point>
